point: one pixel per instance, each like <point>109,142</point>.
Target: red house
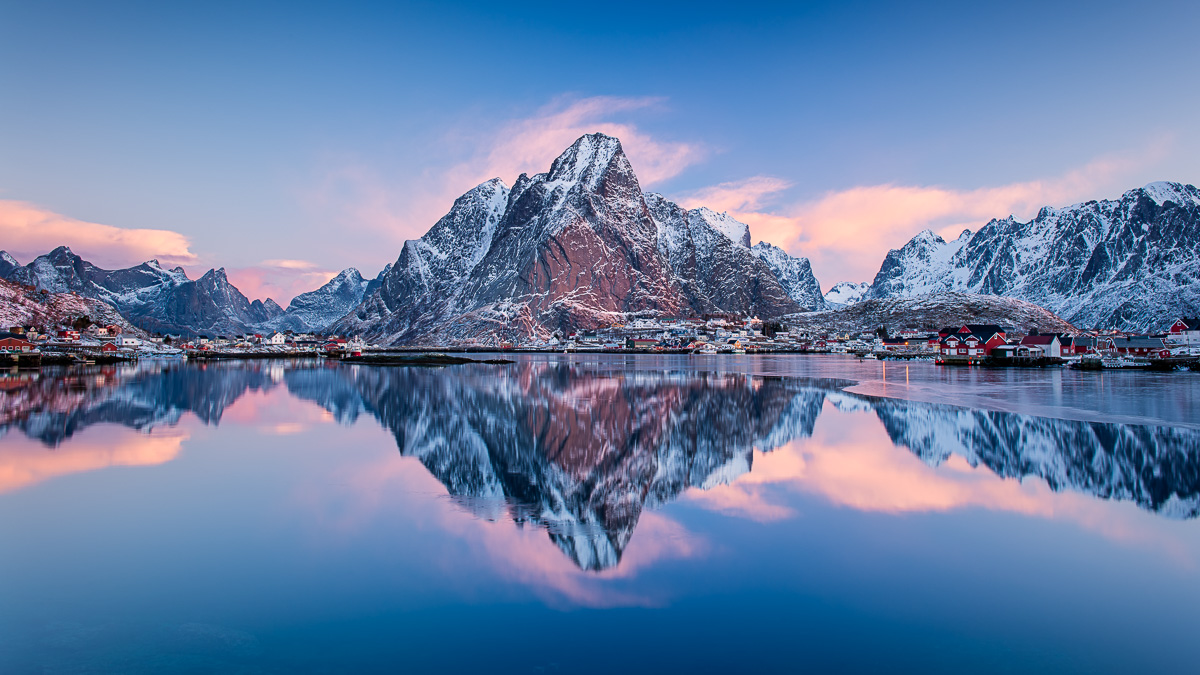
<point>971,340</point>
<point>11,345</point>
<point>1140,345</point>
<point>108,348</point>
<point>1185,332</point>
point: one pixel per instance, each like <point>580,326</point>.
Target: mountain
<point>931,312</point>
<point>1132,263</point>
<point>845,293</point>
<point>152,297</point>
<point>7,264</point>
<point>712,260</point>
<point>315,310</point>
<point>22,307</point>
<point>579,246</point>
<point>794,274</point>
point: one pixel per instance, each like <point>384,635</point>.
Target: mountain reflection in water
<point>581,449</point>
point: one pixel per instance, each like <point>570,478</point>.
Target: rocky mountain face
<point>154,298</point>
<point>577,247</point>
<point>714,264</point>
<point>933,311</point>
<point>316,310</point>
<point>794,274</point>
<point>845,293</point>
<point>1131,263</point>
<point>22,307</point>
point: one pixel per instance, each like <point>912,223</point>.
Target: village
<point>966,344</point>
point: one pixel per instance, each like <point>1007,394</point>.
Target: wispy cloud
<point>846,233</point>
<point>29,230</point>
<point>529,145</point>
<point>362,196</point>
<point>278,279</point>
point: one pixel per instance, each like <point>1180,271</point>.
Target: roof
<point>1038,339</point>
<point>1191,324</point>
<point>981,329</point>
<point>1138,342</point>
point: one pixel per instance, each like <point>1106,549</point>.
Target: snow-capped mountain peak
<point>1162,192</point>
<point>737,231</point>
<point>587,160</point>
<point>1131,263</point>
<point>846,293</point>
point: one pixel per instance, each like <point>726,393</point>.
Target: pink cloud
<point>846,233</point>
<point>362,196</point>
<point>280,280</point>
<point>30,230</point>
<point>530,145</point>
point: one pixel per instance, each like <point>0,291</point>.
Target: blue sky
<point>288,141</point>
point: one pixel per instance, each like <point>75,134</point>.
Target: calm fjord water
<point>587,513</point>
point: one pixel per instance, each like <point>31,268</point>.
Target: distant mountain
<point>316,310</point>
<point>580,246</point>
<point>845,293</point>
<point>931,312</point>
<point>1131,263</point>
<point>150,296</point>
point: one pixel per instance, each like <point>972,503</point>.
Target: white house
<point>1185,332</point>
<point>126,341</point>
<point>275,338</point>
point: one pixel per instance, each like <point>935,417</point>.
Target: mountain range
<point>1131,263</point>
<point>160,300</point>
<point>582,246</point>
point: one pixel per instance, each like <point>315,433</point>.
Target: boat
<point>870,357</point>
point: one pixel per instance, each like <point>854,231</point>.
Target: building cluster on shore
<point>966,343</point>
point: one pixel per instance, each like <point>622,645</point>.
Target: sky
<point>285,142</point>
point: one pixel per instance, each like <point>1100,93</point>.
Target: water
<point>599,514</point>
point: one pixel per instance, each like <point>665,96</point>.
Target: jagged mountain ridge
<point>316,310</point>
<point>150,296</point>
<point>1132,263</point>
<point>162,300</point>
<point>579,246</point>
